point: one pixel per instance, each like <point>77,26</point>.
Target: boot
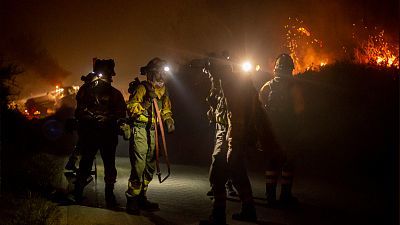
<point>145,204</point>
<point>132,204</point>
<point>76,197</point>
<point>229,189</point>
<point>270,193</point>
<point>111,201</point>
<point>218,217</point>
<point>286,199</point>
<point>248,213</point>
<point>271,180</point>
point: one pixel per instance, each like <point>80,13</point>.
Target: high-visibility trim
<point>145,185</point>
<point>134,188</point>
<point>146,182</point>
<point>144,119</point>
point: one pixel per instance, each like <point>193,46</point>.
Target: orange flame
<point>378,51</point>
<point>308,52</point>
<point>305,49</point>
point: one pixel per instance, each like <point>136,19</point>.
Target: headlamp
<point>247,66</point>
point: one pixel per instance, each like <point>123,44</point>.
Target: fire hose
<point>164,144</point>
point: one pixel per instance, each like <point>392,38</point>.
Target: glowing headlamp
<point>247,66</point>
<point>166,69</point>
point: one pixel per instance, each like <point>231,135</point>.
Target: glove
<point>125,130</point>
<point>170,125</point>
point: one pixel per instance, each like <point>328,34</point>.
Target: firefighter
<point>217,116</point>
<point>240,105</point>
<point>282,99</point>
<point>99,107</point>
<point>142,118</point>
<point>71,126</point>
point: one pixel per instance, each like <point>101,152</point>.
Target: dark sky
<point>61,37</point>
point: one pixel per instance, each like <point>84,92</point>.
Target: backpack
<point>133,86</point>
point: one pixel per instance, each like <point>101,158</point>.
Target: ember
<point>370,46</point>
<point>305,49</point>
<point>377,50</point>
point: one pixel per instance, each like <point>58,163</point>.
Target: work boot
<point>248,213</point>
<point>76,197</point>
<point>132,204</point>
<point>111,201</point>
<point>71,164</point>
<point>146,205</point>
<point>229,189</point>
<point>286,199</point>
<point>218,217</point>
<point>270,193</point>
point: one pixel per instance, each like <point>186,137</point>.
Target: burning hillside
<point>367,46</point>
<point>377,50</point>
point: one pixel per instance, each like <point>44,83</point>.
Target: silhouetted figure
<point>283,101</point>
<point>217,115</point>
<point>71,125</point>
<point>99,107</point>
<point>242,110</point>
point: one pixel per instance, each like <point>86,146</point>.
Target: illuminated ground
<point>183,200</point>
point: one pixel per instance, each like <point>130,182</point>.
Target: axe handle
<point>165,150</point>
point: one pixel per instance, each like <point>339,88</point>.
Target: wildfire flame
<point>378,51</point>
<point>308,52</point>
<point>304,48</point>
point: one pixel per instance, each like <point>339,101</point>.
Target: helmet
<point>155,71</point>
<point>104,66</point>
<point>284,65</point>
<point>156,64</point>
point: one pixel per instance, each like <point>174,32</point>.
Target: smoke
<point>21,44</point>
<point>40,70</point>
<point>132,32</point>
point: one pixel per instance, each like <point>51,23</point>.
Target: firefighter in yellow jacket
<point>142,141</point>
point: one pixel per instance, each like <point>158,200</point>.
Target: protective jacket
<point>216,99</point>
<point>139,105</point>
<point>142,143</point>
<point>98,101</point>
<point>281,94</point>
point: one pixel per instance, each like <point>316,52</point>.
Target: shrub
<point>37,211</point>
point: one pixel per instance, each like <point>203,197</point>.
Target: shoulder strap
<point>133,86</point>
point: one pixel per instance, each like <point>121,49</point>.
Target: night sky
<point>54,41</point>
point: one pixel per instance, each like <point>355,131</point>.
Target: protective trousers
<point>280,167</point>
<point>142,157</point>
<point>218,168</point>
<point>229,162</point>
<point>94,137</point>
